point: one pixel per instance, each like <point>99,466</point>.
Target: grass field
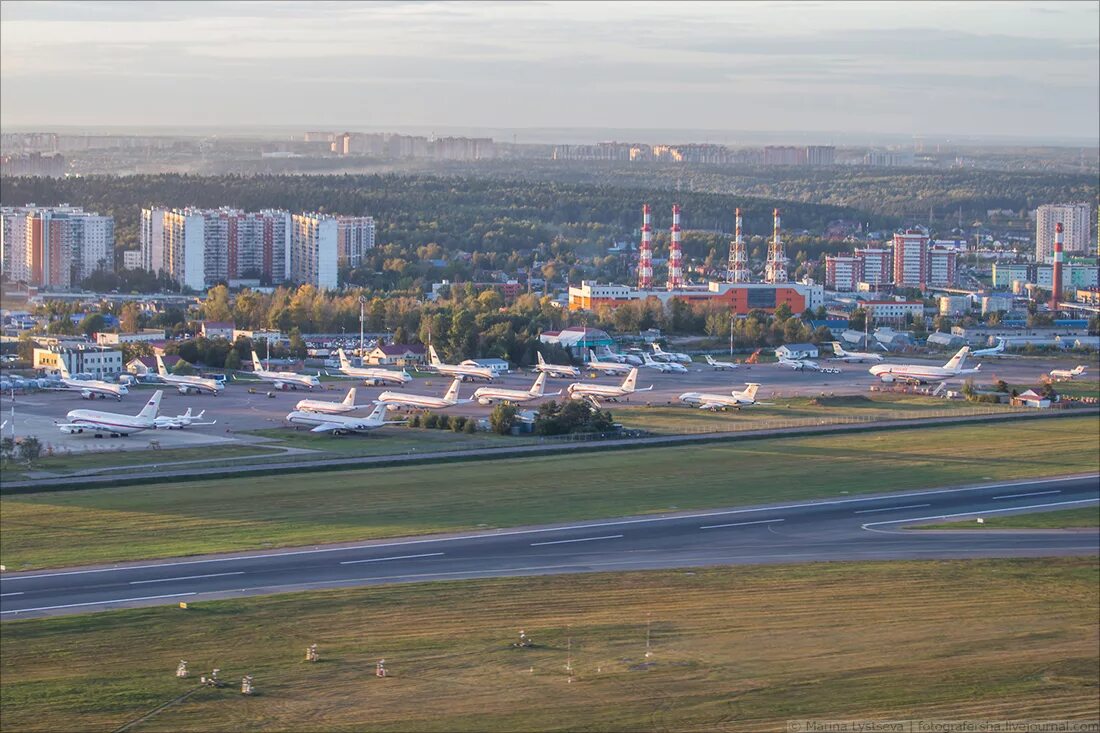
<point>78,461</point>
<point>1059,519</point>
<point>742,648</point>
<point>396,440</point>
<point>134,522</point>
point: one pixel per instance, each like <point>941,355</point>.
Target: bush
<point>502,418</point>
<point>458,422</point>
<point>30,448</point>
<point>431,421</point>
<point>470,427</point>
<point>444,422</point>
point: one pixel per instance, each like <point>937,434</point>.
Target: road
<point>857,528</point>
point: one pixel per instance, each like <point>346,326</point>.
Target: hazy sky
<point>982,68</point>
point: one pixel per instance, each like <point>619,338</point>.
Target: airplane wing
<point>327,427</point>
<point>212,422</point>
<point>710,406</point>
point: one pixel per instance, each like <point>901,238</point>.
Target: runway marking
<point>979,512</point>
<point>100,603</point>
<point>740,524</point>
<point>891,508</point>
<point>1034,493</point>
<point>582,539</point>
<point>612,523</point>
<point>185,577</point>
<point>5,595</point>
<point>396,557</point>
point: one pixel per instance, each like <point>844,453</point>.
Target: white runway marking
<point>977,513</point>
<point>740,524</point>
<point>891,508</point>
<point>185,577</point>
<point>582,539</point>
<point>396,557</point>
<point>5,595</point>
<point>1034,493</point>
<point>100,603</point>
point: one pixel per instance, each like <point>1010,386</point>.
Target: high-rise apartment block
<point>355,236</point>
<point>313,250</point>
<point>1076,222</point>
<point>911,258</point>
<point>941,266</point>
<point>877,265</point>
<point>843,273</point>
<point>54,247</point>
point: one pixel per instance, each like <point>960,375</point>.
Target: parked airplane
<point>839,354</point>
<point>998,350</point>
<point>371,375</point>
<point>111,423</point>
<point>593,392</point>
<point>660,353</point>
<point>187,385</point>
<point>459,371</point>
<point>329,408</point>
<point>426,402</point>
<point>556,370</point>
<point>341,424</point>
<point>799,364</point>
<point>489,395</point>
<point>186,420</point>
<point>89,388</point>
<point>719,365</point>
<point>607,367</point>
<point>664,367</point>
<point>711,401</point>
<point>920,373</point>
<point>1067,374</point>
<point>283,380</point>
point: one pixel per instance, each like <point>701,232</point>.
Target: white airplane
<point>800,364</point>
<point>607,367</point>
<point>426,402</point>
<point>839,354</point>
<point>1067,374</point>
<point>459,371</point>
<point>669,355</point>
<point>89,388</point>
<point>998,350</point>
<point>593,392</point>
<point>283,380</point>
<point>371,375</point>
<point>920,373</point>
<point>341,424</point>
<point>329,408</point>
<point>664,367</point>
<point>722,365</point>
<point>556,370</point>
<point>111,423</point>
<point>711,401</point>
<point>489,395</point>
<point>187,385</point>
<point>179,422</point>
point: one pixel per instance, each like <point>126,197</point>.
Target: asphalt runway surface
<point>836,529</point>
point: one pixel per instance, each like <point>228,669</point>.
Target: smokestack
<point>737,271</point>
<point>1056,286</point>
<point>775,270</point>
<point>675,256</point>
<point>645,253</point>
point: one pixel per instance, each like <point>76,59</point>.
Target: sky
<point>1022,69</point>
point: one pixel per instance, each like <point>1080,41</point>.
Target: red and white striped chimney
<point>675,256</point>
<point>1056,274</point>
<point>645,253</point>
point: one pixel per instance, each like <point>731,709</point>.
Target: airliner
<point>341,424</point>
<point>461,371</point>
<point>426,402</point>
<point>89,388</point>
<point>799,364</point>
<point>607,367</point>
<point>711,401</point>
<point>179,422</point>
<point>283,380</point>
<point>665,367</point>
<point>1068,374</point>
<point>719,365</point>
<point>186,384</point>
<point>489,395</point>
<point>329,408</point>
<point>594,392</point>
<point>920,373</point>
<point>998,350</point>
<point>669,355</point>
<point>556,370</point>
<point>111,423</point>
<point>371,375</point>
<point>839,354</point>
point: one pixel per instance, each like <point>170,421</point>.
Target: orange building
<point>741,298</point>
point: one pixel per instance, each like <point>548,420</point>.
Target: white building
<point>843,273</point>
<point>54,246</point>
<point>145,335</point>
<point>893,311</point>
<point>313,250</point>
<point>942,266</point>
<point>911,258</point>
<point>1076,222</point>
<point>132,259</point>
<point>877,266</point>
<point>355,236</point>
<point>100,362</point>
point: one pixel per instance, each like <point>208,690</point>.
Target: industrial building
<point>741,298</point>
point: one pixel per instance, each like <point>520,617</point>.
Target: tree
<point>129,318</point>
<point>782,312</point>
<point>93,323</point>
<point>183,368</point>
<point>503,418</point>
<point>857,321</point>
<point>233,359</point>
<point>30,448</point>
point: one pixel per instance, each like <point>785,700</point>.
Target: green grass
<point>134,522</point>
<point>1058,519</point>
<point>396,440</point>
<point>744,648</point>
<point>77,461</point>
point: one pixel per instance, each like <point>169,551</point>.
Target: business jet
<point>179,422</point>
<point>187,385</point>
<point>719,365</point>
<point>89,388</point>
<point>283,380</point>
<point>664,367</point>
<point>459,371</point>
<point>1067,374</point>
<point>998,350</point>
<point>329,408</point>
<point>839,354</point>
<point>594,392</point>
<point>607,367</point>
<point>712,401</point>
<point>111,423</point>
<point>660,353</point>
<point>489,395</point>
<point>556,370</point>
<point>920,373</point>
<point>371,375</point>
<point>341,424</point>
<point>425,402</point>
<point>799,364</point>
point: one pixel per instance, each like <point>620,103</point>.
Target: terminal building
<point>741,298</point>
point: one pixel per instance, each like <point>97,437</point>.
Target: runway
<point>858,528</point>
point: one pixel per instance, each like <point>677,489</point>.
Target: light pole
<point>731,332</point>
<point>362,305</point>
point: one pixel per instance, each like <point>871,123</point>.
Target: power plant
<point>1056,285</point>
<point>675,254</point>
<point>737,271</point>
<point>645,253</point>
<point>775,269</point>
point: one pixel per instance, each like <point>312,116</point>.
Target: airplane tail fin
<point>751,389</point>
<point>161,369</point>
<point>957,360</point>
<point>378,414</point>
<point>591,355</point>
<point>152,407</point>
<point>542,362</point>
<point>344,363</point>
<point>188,413</point>
<point>433,356</point>
<point>631,380</point>
<point>539,386</point>
<point>199,416</point>
<point>62,368</point>
<point>452,391</point>
<point>838,350</point>
<point>1079,369</point>
<point>257,365</point>
<point>349,399</point>
<point>710,359</point>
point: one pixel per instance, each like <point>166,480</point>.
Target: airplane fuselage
<point>100,423</point>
